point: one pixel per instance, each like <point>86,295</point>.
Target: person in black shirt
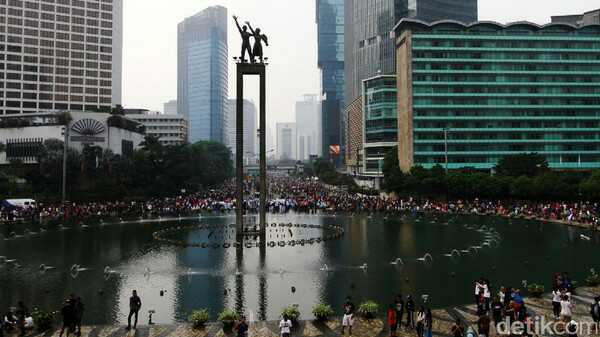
<point>348,319</point>
<point>410,312</point>
<point>399,308</point>
<point>22,313</point>
<point>135,304</point>
<point>242,328</point>
<point>497,310</point>
<point>67,316</point>
<point>78,314</point>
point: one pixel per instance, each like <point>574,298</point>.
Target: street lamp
<point>446,146</point>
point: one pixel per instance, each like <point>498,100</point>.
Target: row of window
<point>64,54</point>
<point>500,78</point>
<point>567,124</point>
<point>532,66</point>
<point>514,56</point>
<point>495,90</point>
<point>492,160</point>
<point>514,101</point>
<point>509,43</point>
<point>61,10</point>
<point>59,89</point>
<point>506,136</point>
<point>55,106</point>
<point>59,45</point>
<point>507,147</point>
<point>48,105</point>
<point>57,70</point>
<point>106,6</point>
<point>51,79</point>
<point>488,113</point>
<point>75,20</point>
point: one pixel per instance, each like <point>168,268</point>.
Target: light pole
<point>64,164</point>
<point>446,146</point>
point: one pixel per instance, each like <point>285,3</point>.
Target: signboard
<point>334,150</point>
<point>87,130</point>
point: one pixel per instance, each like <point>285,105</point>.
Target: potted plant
<point>198,318</point>
<point>292,313</point>
<point>228,318</point>
<point>322,311</point>
<point>593,280</point>
<point>368,309</point>
<point>535,290</point>
<point>43,320</point>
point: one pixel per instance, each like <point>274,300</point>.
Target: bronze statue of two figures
<point>257,50</point>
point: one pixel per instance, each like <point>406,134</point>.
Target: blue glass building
<point>202,73</point>
<point>330,27</point>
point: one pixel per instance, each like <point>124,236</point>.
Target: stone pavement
<point>442,322</point>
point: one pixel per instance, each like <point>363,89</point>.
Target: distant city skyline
<point>150,45</point>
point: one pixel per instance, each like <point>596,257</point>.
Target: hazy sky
<point>150,44</point>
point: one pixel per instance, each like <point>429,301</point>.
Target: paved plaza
<point>442,322</point>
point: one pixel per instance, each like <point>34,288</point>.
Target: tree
<point>590,187</point>
<point>527,164</point>
<point>393,177</point>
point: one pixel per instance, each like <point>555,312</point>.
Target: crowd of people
<point>16,319</point>
<point>299,195</point>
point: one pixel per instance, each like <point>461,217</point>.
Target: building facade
<point>202,82</point>
<point>308,127</point>
<point>118,134</point>
<point>354,150</point>
<point>494,90</point>
<point>286,141</point>
<point>587,18</point>
<point>169,129</point>
<point>250,131</point>
<point>60,55</point>
<point>380,127</point>
<point>330,34</point>
<point>170,107</point>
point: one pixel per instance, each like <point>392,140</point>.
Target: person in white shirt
<point>285,326</point>
<point>556,298</point>
<point>566,309</point>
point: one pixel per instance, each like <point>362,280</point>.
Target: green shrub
<point>227,316</point>
<point>291,312</point>
<point>42,319</point>
<point>593,280</point>
<point>322,311</point>
<point>198,318</point>
<point>535,290</point>
<point>368,309</point>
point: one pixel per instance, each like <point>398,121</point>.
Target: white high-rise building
<point>60,55</point>
<point>250,128</point>
<point>170,107</point>
<point>286,141</point>
<point>308,127</point>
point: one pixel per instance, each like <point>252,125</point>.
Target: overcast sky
<point>150,44</point>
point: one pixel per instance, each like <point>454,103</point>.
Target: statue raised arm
<point>245,41</point>
<point>258,39</point>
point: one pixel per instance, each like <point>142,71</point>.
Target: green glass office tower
<point>497,90</point>
<point>380,132</point>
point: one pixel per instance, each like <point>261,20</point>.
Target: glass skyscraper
<point>330,27</point>
<point>202,73</point>
<point>498,90</point>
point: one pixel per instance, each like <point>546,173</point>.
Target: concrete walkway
<point>442,322</point>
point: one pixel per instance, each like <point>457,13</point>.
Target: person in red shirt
<point>391,319</point>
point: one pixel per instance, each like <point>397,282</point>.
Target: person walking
<point>497,310</point>
<point>67,317</point>
<point>285,326</point>
<point>410,312</point>
<point>429,323</point>
<point>348,319</point>
<point>556,299</point>
<point>22,313</point>
<point>78,309</point>
<point>483,325</point>
<point>566,309</point>
<point>399,308</point>
<point>242,327</point>
<point>135,304</point>
<point>420,327</point>
<point>595,312</point>
<point>391,319</point>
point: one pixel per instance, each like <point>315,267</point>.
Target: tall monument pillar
<point>254,69</point>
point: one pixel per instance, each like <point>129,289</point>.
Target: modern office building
<point>330,34</point>
<point>250,131</point>
<point>170,107</point>
<point>494,90</point>
<point>308,127</point>
<point>202,82</point>
<point>169,129</point>
<point>370,46</point>
<point>380,127</point>
<point>587,18</point>
<point>354,149</point>
<point>60,55</point>
<point>286,141</point>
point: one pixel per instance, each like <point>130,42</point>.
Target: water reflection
<point>113,259</point>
